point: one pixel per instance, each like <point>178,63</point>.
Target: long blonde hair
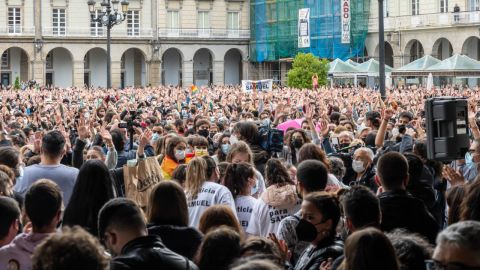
<point>196,176</point>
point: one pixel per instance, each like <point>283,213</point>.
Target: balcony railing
<point>17,31</point>
<point>76,32</point>
<point>432,20</point>
<point>192,33</point>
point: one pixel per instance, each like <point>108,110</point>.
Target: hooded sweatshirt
<point>18,254</point>
<point>275,204</point>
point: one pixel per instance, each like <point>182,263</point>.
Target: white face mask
<point>395,132</point>
<point>357,166</point>
<point>233,139</point>
<point>180,155</point>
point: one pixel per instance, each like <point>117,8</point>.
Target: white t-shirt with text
<point>244,206</point>
<point>266,219</point>
<point>210,194</point>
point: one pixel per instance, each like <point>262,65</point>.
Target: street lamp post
<point>381,46</point>
<point>108,17</point>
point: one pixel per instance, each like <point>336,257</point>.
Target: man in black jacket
<point>399,208</point>
<point>122,228</point>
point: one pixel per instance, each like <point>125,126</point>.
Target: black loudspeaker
<point>447,128</point>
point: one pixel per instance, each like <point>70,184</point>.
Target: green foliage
<point>17,85</point>
<point>304,66</point>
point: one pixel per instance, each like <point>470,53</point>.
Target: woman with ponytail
<point>240,180</point>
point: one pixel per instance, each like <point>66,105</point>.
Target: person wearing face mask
<point>174,155</point>
<point>277,202</point>
<point>312,176</point>
<point>295,140</point>
<point>317,226</point>
<point>240,180</point>
<point>362,165</point>
<point>240,152</point>
<point>197,146</point>
<point>223,148</point>
<point>472,158</point>
<point>345,138</point>
<point>202,127</point>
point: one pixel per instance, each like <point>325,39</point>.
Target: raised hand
<point>82,129</point>
<point>282,246</point>
<point>452,176</point>
<point>106,137</point>
<point>387,114</point>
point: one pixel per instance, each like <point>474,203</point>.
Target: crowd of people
<point>298,179</point>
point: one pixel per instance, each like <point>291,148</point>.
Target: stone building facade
<point>177,42</point>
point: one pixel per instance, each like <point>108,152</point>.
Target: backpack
<point>271,139</point>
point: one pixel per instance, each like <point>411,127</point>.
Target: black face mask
<point>306,231</point>
<point>297,143</point>
<point>343,145</point>
<point>203,133</point>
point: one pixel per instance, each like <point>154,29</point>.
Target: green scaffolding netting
<point>274,29</point>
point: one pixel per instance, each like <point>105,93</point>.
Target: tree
<point>304,66</point>
<point>17,85</point>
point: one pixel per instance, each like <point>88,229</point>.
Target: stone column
<point>187,73</point>
<point>154,69</point>
<point>245,70</point>
<point>78,73</point>
<point>116,74</point>
<point>218,72</point>
<point>38,68</point>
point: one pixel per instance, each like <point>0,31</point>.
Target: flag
<point>193,89</point>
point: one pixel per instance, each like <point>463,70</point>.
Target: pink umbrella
<point>296,123</point>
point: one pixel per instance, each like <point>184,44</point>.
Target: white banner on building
<point>345,21</point>
<point>304,28</point>
<point>261,85</point>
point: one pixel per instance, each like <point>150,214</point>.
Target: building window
<point>58,21</point>
<point>14,20</point>
<point>443,6</point>
<point>96,28</point>
<point>173,21</point>
<point>233,22</point>
<point>474,5</point>
<point>385,8</point>
<point>5,60</point>
<point>133,23</point>
<point>203,22</point>
<point>415,7</point>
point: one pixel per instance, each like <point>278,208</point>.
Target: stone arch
<point>233,66</point>
<point>59,67</point>
<point>471,47</point>
<point>119,51</point>
<point>413,51</point>
<point>133,68</point>
<point>442,49</point>
<point>95,65</point>
<point>172,64</point>
<point>203,67</point>
<point>15,63</point>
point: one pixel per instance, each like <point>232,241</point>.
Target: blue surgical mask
<point>468,158</point>
<point>225,148</point>
<point>155,137</point>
